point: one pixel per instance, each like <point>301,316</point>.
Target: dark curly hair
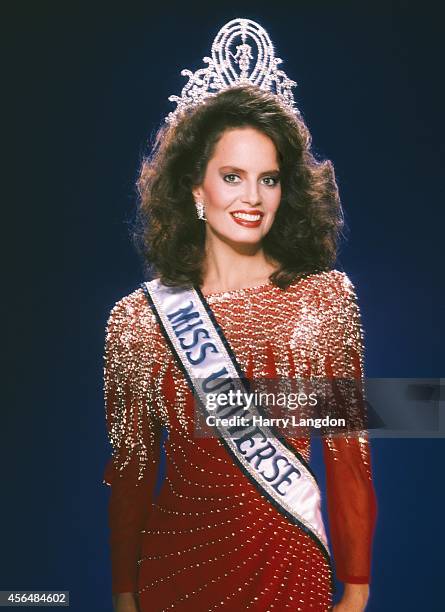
<point>167,232</point>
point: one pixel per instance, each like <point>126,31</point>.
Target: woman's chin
<point>239,237</point>
<point>244,240</point>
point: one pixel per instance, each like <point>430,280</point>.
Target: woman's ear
<point>196,191</point>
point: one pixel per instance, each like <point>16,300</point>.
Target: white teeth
<point>246,216</point>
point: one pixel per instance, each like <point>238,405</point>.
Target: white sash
<point>274,467</point>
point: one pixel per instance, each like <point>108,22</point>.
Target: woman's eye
<point>272,180</point>
<point>229,178</point>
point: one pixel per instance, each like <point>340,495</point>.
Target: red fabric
<point>351,498</point>
<point>197,533</point>
<point>129,505</point>
<point>352,511</point>
<point>131,496</point>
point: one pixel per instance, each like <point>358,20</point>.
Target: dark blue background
<point>84,91</point>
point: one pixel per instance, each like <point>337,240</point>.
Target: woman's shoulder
<point>130,312</point>
<point>328,283</point>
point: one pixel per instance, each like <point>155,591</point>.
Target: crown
<point>242,53</point>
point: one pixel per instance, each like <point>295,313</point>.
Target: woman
<point>234,204</point>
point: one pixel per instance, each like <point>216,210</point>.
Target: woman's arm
<point>132,470</point>
<point>351,500</point>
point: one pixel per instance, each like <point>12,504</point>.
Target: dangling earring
<point>200,211</point>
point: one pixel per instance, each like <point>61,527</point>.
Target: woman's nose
<point>252,194</point>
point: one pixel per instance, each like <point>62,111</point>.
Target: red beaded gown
<point>209,540</point>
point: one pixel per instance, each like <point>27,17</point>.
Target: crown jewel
<point>242,52</point>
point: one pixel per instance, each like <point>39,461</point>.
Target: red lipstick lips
<point>244,221</point>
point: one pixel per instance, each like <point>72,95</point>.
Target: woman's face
<point>241,190</point>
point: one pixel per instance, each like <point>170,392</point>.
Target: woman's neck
<point>227,268</point>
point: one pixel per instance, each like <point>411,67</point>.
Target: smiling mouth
<point>247,216</point>
<point>246,219</point>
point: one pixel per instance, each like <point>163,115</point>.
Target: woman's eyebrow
<point>241,171</point>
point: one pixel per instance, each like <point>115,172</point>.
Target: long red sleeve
<point>132,470</point>
<point>351,499</point>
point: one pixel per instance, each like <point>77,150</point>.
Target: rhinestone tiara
<point>242,53</point>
